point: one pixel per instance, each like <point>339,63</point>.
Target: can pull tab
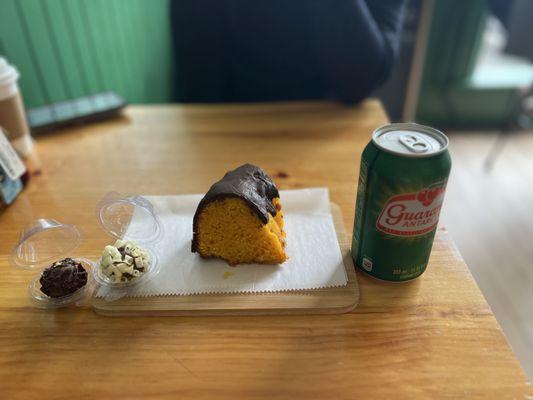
<point>414,143</point>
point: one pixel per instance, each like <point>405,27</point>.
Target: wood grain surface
<point>434,337</point>
<point>331,300</point>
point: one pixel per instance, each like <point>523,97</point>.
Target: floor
<point>488,211</point>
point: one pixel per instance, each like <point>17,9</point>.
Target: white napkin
<point>315,259</point>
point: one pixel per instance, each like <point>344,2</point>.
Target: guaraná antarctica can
<point>402,180</point>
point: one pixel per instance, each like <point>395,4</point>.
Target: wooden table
<point>432,338</point>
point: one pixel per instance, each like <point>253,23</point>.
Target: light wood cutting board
<point>336,300</point>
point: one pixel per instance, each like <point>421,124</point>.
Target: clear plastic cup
<point>42,243</point>
<point>133,218</point>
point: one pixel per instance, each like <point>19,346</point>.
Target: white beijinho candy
<point>124,261</point>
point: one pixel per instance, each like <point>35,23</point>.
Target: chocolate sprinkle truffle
<point>62,278</point>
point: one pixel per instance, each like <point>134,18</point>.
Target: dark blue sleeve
<point>357,42</point>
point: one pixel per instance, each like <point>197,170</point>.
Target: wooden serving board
<point>335,300</point>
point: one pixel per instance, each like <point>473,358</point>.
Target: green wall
<point>69,48</point>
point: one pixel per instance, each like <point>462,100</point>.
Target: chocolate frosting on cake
<point>247,182</point>
<point>63,278</point>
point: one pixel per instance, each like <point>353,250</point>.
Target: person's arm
<point>356,43</point>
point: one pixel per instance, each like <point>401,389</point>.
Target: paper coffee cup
<point>12,114</point>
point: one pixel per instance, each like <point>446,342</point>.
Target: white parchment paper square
<point>315,259</point>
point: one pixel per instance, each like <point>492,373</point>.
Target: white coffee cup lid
<point>8,79</point>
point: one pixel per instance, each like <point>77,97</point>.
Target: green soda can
<point>402,180</point>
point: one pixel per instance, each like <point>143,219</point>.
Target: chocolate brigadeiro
<point>247,182</point>
<point>62,278</point>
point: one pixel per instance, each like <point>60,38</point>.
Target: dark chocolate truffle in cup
<point>63,278</point>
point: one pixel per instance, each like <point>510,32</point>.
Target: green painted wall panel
<point>63,46</point>
<point>38,35</point>
<point>81,47</point>
<point>17,48</point>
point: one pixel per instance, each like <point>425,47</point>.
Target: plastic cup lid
<point>8,73</point>
<point>115,214</point>
<point>8,80</point>
<point>43,242</point>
